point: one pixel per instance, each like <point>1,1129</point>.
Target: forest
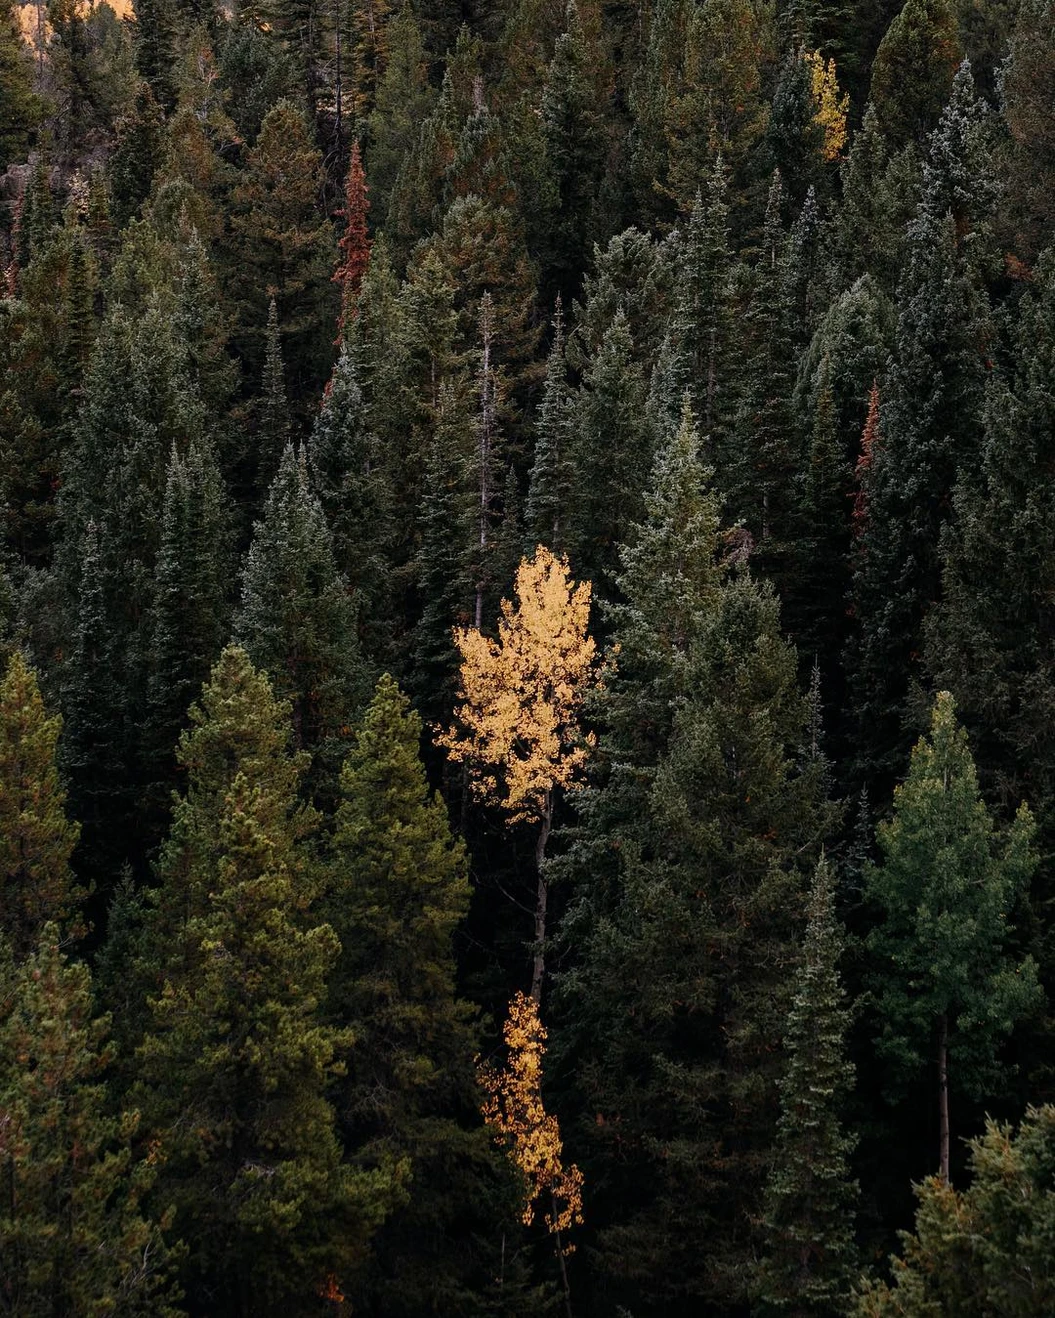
<point>527,658</point>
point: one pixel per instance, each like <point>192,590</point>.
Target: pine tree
<point>234,1069</point>
<point>702,319</point>
<point>1027,154</point>
<point>759,471</point>
<point>575,146</point>
<point>138,153</point>
<point>36,837</point>
<point>986,640</point>
<point>296,619</point>
<point>73,1231</point>
<point>810,1196</point>
<point>273,433</point>
<point>351,474</point>
<point>401,105</point>
<point>946,984</point>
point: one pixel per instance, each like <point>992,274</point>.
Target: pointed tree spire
<point>547,495</point>
<point>354,243</point>
<point>810,1258</point>
<point>273,434</point>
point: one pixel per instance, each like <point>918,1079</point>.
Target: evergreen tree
<point>930,424</point>
<point>190,617</point>
<point>354,244</point>
<point>759,472</point>
<point>397,890</point>
<point>702,320</point>
<point>1027,154</point>
<point>549,488</point>
<point>20,109</point>
<point>296,620</point>
<point>685,912</point>
<point>73,1231</point>
<point>913,70</point>
<point>273,433</point>
<point>945,982</point>
<point>575,145</point>
<point>351,476</point>
<point>282,246</point>
<point>137,155</point>
<point>611,450</point>
<point>982,1250</point>
<point>810,1196</point>
<point>987,640</point>
<point>237,1059</point>
<point>36,837</point>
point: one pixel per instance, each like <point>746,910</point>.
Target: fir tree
<point>190,618</point>
<point>810,1196</point>
<point>36,837</point>
<point>982,1250</point>
<point>945,982</point>
<point>273,433</point>
<point>612,448</point>
<point>296,619</point>
<point>548,490</point>
<point>138,153</point>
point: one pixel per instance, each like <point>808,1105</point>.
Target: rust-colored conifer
<point>354,242</point>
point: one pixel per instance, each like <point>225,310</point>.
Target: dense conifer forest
<point>527,658</point>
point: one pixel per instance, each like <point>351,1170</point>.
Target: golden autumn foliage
<point>517,726</point>
<point>513,1109</point>
<point>832,105</point>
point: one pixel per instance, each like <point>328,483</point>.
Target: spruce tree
<point>273,432</point>
<point>352,477</point>
<point>930,432</point>
<point>809,1263</point>
<point>282,246</point>
<point>612,448</point>
<point>237,1059</point>
<point>296,619</point>
<point>36,837</point>
<point>946,983</point>
<point>74,1234</point>
<point>986,640</point>
<point>138,153</point>
<point>546,510</point>
<point>397,890</point>
<point>190,617</point>
<point>688,892</point>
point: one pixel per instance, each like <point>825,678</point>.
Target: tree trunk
<point>943,1095</point>
<point>539,968</point>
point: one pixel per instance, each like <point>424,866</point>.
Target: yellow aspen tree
<point>514,1110</point>
<point>517,728</point>
<point>832,105</point>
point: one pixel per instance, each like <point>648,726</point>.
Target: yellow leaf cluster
<point>832,105</point>
<point>517,726</point>
<point>513,1109</point>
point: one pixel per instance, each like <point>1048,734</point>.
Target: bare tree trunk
<point>539,969</point>
<point>943,1095</point>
